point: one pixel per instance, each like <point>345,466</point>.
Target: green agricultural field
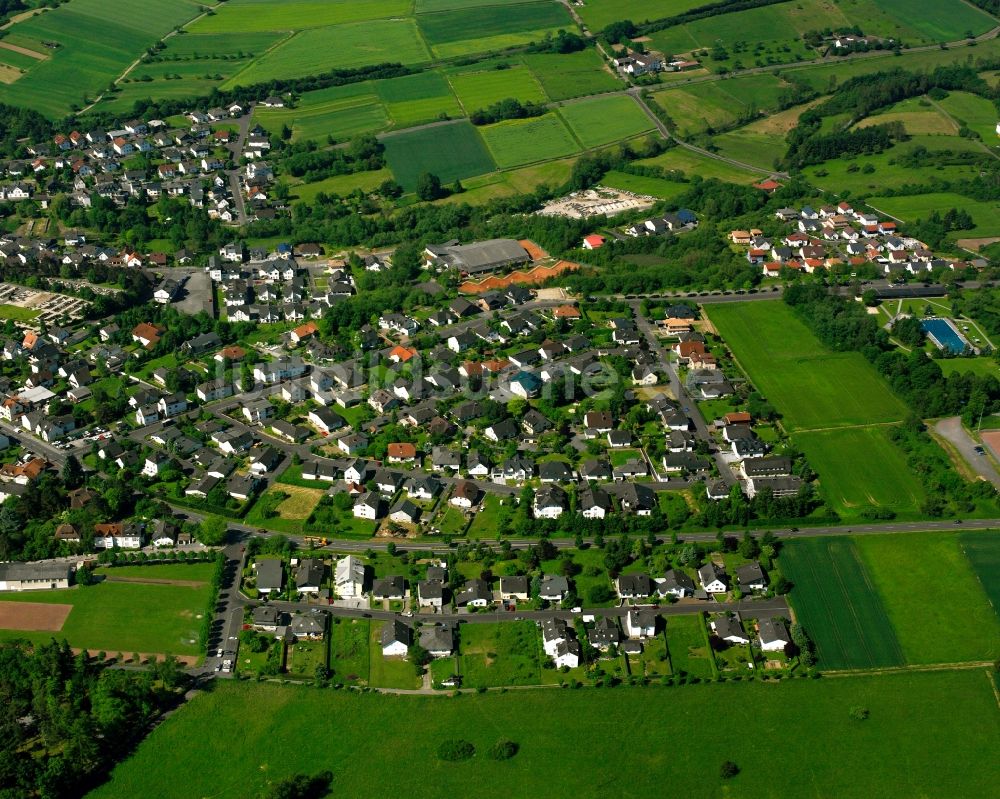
<point>985,215</point>
<point>479,30</point>
<point>430,6</point>
<point>345,46</point>
<point>341,184</point>
<point>688,646</point>
<point>653,187</point>
<point>125,617</point>
<point>598,14</point>
<point>605,119</point>
<point>808,721</point>
<point>940,20</point>
<point>769,35</point>
<point>759,149</point>
<point>810,386</point>
<point>974,111</point>
<point>504,653</point>
<point>983,552</point>
<point>483,188</point>
<point>701,106</point>
<point>835,600</point>
<point>188,44</point>
<point>860,468</point>
<point>414,99</point>
<point>338,111</point>
<point>564,76</point>
<point>252,16</point>
<point>478,90</point>
<point>517,142</point>
<point>952,625</point>
<point>97,41</point>
<point>451,152</point>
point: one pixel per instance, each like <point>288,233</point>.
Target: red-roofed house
<point>593,241</point>
<point>401,354</point>
<point>770,186</point>
<point>304,331</point>
<point>401,452</point>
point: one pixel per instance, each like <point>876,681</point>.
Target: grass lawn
<point>386,672</point>
<point>451,152</point>
<point>17,313</point>
<point>948,625</point>
<point>443,669</point>
<point>688,646</point>
<point>291,504</point>
<point>808,721</point>
<point>484,525</point>
<point>349,650</point>
<point>810,386</point>
<point>516,142</point>
<point>618,457</point>
<point>506,653</point>
<point>304,656</point>
<point>882,478</point>
<point>653,187</point>
<point>985,215</point>
<point>836,601</point>
<point>124,617</point>
<point>605,119</point>
<point>451,521</point>
<point>300,502</point>
<point>977,366</point>
<point>654,660</point>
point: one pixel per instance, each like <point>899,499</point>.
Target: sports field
<point>859,468</point>
<point>120,617</point>
<point>983,552</point>
<point>451,152</point>
<point>952,624</point>
<point>812,387</point>
<point>605,119</point>
<point>517,142</point>
<point>836,601</point>
<point>824,752</point>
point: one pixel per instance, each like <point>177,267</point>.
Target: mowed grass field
<point>516,142</point>
<point>125,617</point>
<point>687,646</point>
<point>836,601</point>
<point>605,119</point>
<point>983,553</point>
<point>860,468</point>
<point>812,387</point>
<point>451,152</point>
<point>938,608</point>
<point>653,187</point>
<point>807,721</point>
<point>985,215</point>
<point>96,40</point>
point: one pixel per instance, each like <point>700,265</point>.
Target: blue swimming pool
<point>945,335</point>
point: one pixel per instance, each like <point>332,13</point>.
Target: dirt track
<point>33,616</point>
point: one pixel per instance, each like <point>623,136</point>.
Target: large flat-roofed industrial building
<point>478,257</point>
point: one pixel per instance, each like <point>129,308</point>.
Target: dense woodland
<point>66,720</point>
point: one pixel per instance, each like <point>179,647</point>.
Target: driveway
<point>952,430</point>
